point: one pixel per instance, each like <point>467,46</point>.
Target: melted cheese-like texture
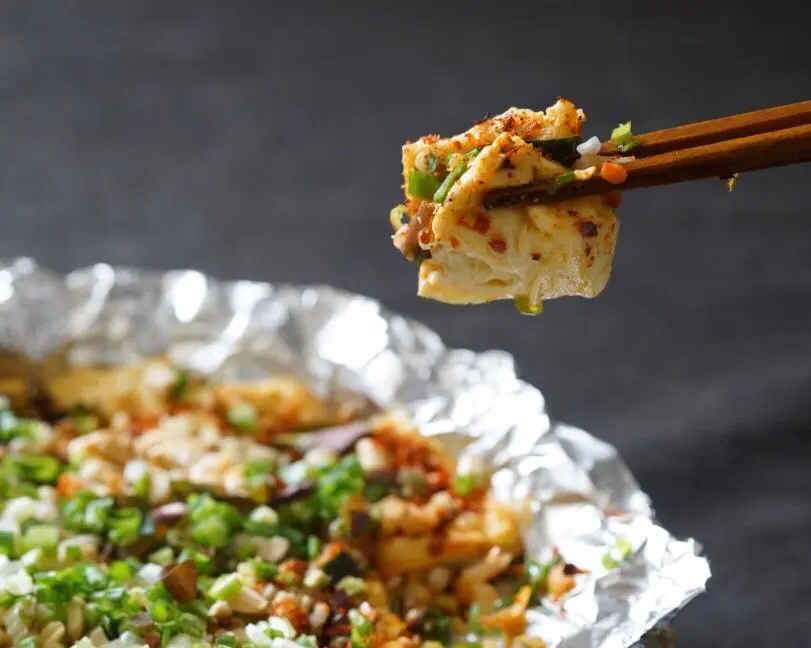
<point>542,251</point>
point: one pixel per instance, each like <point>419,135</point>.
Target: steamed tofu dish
<point>469,255</point>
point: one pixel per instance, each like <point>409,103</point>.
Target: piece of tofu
<point>470,255</point>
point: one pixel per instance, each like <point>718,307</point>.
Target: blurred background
<point>261,140</point>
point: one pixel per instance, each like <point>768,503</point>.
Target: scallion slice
<point>40,536</point>
<point>225,587</point>
<point>244,417</point>
<point>444,189</point>
<point>623,138</point>
<point>162,556</point>
<point>422,185</point>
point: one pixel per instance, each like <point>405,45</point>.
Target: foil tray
<point>584,499</point>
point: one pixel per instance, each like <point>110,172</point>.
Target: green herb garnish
<point>362,629</point>
<point>39,469</point>
<point>623,138</point>
<point>244,417</point>
<point>422,185</point>
<point>618,554</point>
<point>437,626</point>
<point>180,386</point>
<point>454,174</point>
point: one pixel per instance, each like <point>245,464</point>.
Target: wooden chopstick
<point>720,158</point>
<point>717,130</point>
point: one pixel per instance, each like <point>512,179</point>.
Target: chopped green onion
<point>7,543</point>
<point>205,564</point>
<point>225,587</point>
<point>29,642</point>
<point>624,547</point>
<point>180,386</point>
<point>94,577</point>
<point>12,427</point>
<point>398,217</point>
<point>463,485</point>
<point>40,536</point>
<point>191,625</point>
<point>422,185</point>
<point>35,468</point>
<point>211,532</point>
<point>524,306</point>
<point>161,611</point>
<point>376,491</point>
<point>307,641</point>
<point>623,138</point>
<point>474,614</point>
<point>338,482</point>
<point>120,571</point>
<point>295,473</point>
<point>265,571</point>
<point>125,526</point>
<point>455,173</point>
<point>258,468</point>
<point>244,417</point>
<point>615,557</point>
<point>565,178</point>
<point>362,629</point>
<point>437,626</point>
<point>352,585</point>
<point>142,486</point>
<point>83,419</point>
<point>162,556</point>
<point>317,579</point>
<point>227,639</point>
<point>313,547</point>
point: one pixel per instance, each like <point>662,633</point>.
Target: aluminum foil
<point>584,500</point>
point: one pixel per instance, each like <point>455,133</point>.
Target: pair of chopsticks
<point>717,148</point>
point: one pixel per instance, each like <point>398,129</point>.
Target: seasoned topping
<point>198,526</point>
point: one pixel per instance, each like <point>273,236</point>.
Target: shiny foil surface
<point>583,499</point>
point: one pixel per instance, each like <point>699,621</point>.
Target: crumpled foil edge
<point>583,499</point>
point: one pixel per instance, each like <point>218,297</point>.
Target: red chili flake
<point>536,256</point>
<point>290,610</point>
<point>588,250</point>
<point>499,245</point>
<point>454,242</point>
<point>480,225</point>
<point>291,571</point>
<point>429,139</point>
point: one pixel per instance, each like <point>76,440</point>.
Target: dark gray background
<point>261,140</point>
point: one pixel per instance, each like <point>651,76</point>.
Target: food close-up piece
<point>468,254</point>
